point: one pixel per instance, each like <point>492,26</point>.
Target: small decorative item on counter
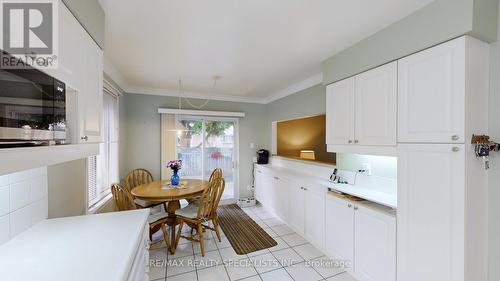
<point>175,165</point>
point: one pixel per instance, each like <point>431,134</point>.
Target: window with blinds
<point>103,168</point>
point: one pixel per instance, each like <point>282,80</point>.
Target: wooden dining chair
<point>199,216</point>
<point>125,202</point>
<point>216,174</point>
<point>139,177</point>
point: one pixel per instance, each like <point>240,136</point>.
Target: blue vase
<point>174,180</point>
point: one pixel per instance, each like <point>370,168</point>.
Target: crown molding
<point>193,95</point>
<point>297,87</point>
<point>115,75</point>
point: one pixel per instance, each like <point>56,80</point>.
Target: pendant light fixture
<point>178,127</point>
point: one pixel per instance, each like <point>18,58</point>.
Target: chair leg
<point>165,235</point>
<point>202,241</point>
<point>216,227</point>
<point>178,237</point>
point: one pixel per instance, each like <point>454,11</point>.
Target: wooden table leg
<point>172,221</point>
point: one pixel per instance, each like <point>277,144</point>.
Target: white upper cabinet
<point>340,112</point>
<point>375,240</point>
<point>432,94</point>
<point>361,112</point>
<point>71,65</point>
<point>376,101</point>
<point>91,98</point>
<point>431,212</point>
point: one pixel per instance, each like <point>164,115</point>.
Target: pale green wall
<point>140,133</point>
<point>437,22</point>
<point>91,16</point>
<point>494,173</point>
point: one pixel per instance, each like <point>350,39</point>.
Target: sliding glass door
<point>209,143</point>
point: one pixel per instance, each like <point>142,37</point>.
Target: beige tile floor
<point>292,259</point>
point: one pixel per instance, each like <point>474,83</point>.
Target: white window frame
<point>106,195</point>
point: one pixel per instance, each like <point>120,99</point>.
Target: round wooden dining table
<point>160,191</point>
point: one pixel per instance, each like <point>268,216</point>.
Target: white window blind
<point>103,168</point>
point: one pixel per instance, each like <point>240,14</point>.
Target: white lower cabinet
<point>339,228</point>
<point>362,235</point>
<point>374,244</point>
<point>301,207</point>
<point>281,202</point>
<point>315,216</point>
<point>296,218</point>
<point>140,266</point>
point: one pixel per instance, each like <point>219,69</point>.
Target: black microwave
<point>32,108</point>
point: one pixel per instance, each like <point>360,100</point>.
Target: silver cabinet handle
<point>85,138</point>
<point>356,141</point>
<point>455,149</point>
<point>350,141</point>
<point>349,205</point>
<point>455,137</point>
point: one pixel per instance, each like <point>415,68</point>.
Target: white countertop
<point>375,189</point>
<point>83,248</point>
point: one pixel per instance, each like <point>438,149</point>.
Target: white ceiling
<point>261,48</point>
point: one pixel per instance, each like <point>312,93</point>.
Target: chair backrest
<point>137,177</point>
<point>123,198</point>
<point>209,200</point>
<point>216,174</point>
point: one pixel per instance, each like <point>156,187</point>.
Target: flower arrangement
<point>175,165</point>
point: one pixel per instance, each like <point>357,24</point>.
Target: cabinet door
<point>431,196</point>
<point>432,95</point>
<point>315,216</point>
<point>375,245</point>
<point>266,190</point>
<point>340,112</point>
<point>258,185</point>
<point>281,197</point>
<point>339,228</point>
<point>90,99</point>
<point>296,214</point>
<point>376,104</point>
<point>71,63</point>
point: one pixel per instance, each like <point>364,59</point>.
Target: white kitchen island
<point>107,247</point>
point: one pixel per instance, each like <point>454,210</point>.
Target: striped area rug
<point>244,234</point>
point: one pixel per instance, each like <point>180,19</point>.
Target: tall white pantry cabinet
<point>442,186</point>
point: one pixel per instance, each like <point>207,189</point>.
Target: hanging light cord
<point>189,102</point>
